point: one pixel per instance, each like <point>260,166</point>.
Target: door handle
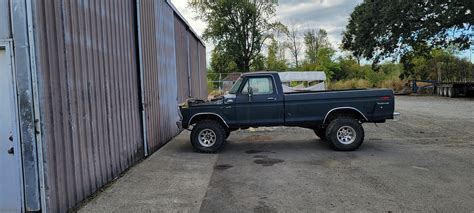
<point>271,99</point>
<point>11,151</point>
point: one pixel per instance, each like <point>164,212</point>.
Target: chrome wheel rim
<point>207,137</point>
<point>346,135</point>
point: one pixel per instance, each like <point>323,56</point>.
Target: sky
<point>331,15</point>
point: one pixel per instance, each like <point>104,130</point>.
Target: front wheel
<point>345,134</point>
<point>208,136</point>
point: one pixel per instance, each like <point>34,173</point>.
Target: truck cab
<point>256,100</point>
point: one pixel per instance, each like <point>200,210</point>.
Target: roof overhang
<point>177,13</point>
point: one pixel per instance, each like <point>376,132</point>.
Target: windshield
<point>236,86</point>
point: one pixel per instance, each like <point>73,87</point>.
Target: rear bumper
<point>396,116</point>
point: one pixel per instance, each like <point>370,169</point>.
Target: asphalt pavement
<point>424,162</point>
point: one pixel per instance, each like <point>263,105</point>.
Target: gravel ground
<point>424,162</point>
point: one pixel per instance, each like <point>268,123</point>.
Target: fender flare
<point>207,113</point>
<point>339,108</point>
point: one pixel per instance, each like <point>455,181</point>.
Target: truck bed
<point>374,104</point>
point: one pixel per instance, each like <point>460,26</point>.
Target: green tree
<point>350,69</point>
<point>258,63</point>
<point>314,41</point>
<point>274,61</point>
<point>240,28</point>
<point>324,63</point>
<point>379,29</point>
<point>428,66</point>
<point>221,62</point>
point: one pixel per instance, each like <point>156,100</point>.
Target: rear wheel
<point>208,136</point>
<point>321,133</point>
<point>345,134</point>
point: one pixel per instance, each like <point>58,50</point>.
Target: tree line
<point>383,39</point>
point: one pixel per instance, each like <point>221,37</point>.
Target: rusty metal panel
<point>88,95</point>
<point>159,70</point>
<point>5,29</point>
<point>181,59</point>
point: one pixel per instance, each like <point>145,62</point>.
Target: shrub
<point>395,84</point>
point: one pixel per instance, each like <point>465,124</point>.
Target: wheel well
<point>346,112</point>
<point>202,117</point>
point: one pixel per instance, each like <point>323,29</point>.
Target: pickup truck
<point>257,100</point>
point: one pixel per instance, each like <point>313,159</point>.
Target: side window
<point>260,86</point>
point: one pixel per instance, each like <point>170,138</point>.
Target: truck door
<point>10,175</point>
<point>258,103</point>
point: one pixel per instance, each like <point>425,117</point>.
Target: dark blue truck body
<point>265,104</point>
<point>302,109</point>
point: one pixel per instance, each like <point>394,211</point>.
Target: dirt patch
<point>222,167</point>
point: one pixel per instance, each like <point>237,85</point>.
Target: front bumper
<point>396,116</point>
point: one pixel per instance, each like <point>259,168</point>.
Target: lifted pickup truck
<point>257,100</point>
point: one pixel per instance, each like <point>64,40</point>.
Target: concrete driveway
<point>425,162</point>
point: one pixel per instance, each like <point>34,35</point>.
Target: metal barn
<point>88,89</point>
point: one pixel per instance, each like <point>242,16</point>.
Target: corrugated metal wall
<point>191,63</point>
<point>166,66</point>
<point>149,67</point>
<point>89,98</point>
<point>159,71</point>
<point>194,65</point>
<point>89,87</point>
<point>182,66</point>
<point>5,20</point>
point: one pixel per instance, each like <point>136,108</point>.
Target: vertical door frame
<point>142,79</point>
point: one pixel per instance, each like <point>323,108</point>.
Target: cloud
<point>331,15</point>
